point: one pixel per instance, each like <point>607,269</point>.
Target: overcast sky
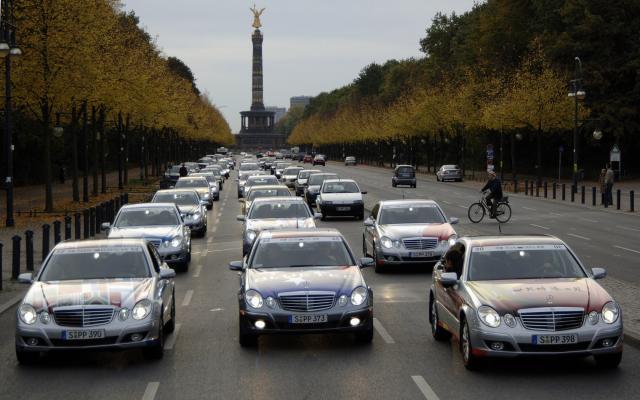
<point>310,46</point>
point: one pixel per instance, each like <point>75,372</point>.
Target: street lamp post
<point>58,130</point>
<point>8,50</point>
<point>577,94</point>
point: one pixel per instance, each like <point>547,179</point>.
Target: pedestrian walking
<point>603,186</point>
<point>183,170</point>
<point>608,181</point>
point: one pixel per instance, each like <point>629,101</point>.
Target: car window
<point>301,252</point>
<point>191,183</point>
<point>152,216</point>
<point>405,170</point>
<point>179,199</point>
<point>318,179</point>
<point>410,214</point>
<point>106,262</point>
<point>266,180</point>
<point>277,209</point>
<point>340,187</point>
<point>256,193</point>
<point>155,258</point>
<point>522,262</point>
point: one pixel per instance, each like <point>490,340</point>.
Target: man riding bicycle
<point>495,187</point>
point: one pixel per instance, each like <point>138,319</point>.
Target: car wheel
<point>183,266</point>
<point>608,361</point>
<point>365,336</point>
<point>364,247</point>
<point>189,254</point>
<point>27,357</point>
<point>379,268</point>
<point>439,333</point>
<point>209,206</point>
<point>471,362</point>
<point>360,216</point>
<point>156,351</point>
<point>244,338</point>
<point>393,184</point>
<point>171,325</point>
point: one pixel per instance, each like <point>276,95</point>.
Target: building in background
<point>279,112</point>
<point>300,101</point>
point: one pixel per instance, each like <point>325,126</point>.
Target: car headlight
<point>214,188</point>
<point>45,318</point>
<point>610,312</point>
<point>141,309</point>
<point>343,300</point>
<point>489,316</point>
<point>386,242</point>
<point>207,195</point>
<point>509,320</point>
<point>253,298</point>
<point>358,296</point>
<point>196,216</point>
<point>27,314</point>
<point>326,202</point>
<point>593,317</point>
<point>270,302</point>
<point>251,235</point>
<point>176,242</point>
<point>452,240</point>
<point>123,314</point>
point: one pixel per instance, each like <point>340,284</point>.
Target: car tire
<point>471,362</point>
<point>365,336</point>
<point>393,184</point>
<point>360,216</point>
<point>244,338</point>
<point>439,333</point>
<point>364,247</point>
<point>171,325</point>
<point>608,361</point>
<point>378,268</point>
<point>156,351</point>
<point>209,206</point>
<point>189,254</point>
<point>27,357</point>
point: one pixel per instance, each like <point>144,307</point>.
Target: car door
<point>370,231</point>
<point>449,299</point>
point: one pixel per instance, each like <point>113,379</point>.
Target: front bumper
<point>172,255</point>
<point>277,322</point>
<point>450,177</point>
<point>353,209</point>
<point>195,225</point>
<point>395,256</point>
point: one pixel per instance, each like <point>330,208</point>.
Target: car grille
<point>86,342</point>
<point>420,243</point>
<point>556,348</point>
<point>306,301</point>
<point>552,319</point>
<point>82,317</point>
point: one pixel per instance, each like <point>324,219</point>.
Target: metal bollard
<point>56,232</point>
<point>537,189</point>
<point>85,223</point>
<point>15,267</point>
<point>631,201</point>
<point>554,188</point>
<point>67,227</point>
<point>546,190</point>
<point>1,246</point>
<point>573,195</point>
<point>46,236</point>
<point>92,221</point>
<point>526,188</point>
<point>582,194</point>
<point>593,196</point>
<point>515,186</point>
<point>564,192</point>
<point>29,247</point>
<point>78,225</point>
<point>618,194</point>
<point>99,218</point>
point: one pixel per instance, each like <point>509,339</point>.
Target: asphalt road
<point>203,359</point>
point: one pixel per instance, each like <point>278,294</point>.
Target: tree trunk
<point>74,154</point>
<point>48,202</point>
<point>103,139</point>
<point>513,157</point>
<point>539,157</point>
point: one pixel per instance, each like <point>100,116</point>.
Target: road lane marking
<point>446,202</point>
<point>578,236</point>
<point>530,209</point>
<point>556,214</point>
<point>628,229</point>
<point>219,214</point>
<point>627,249</point>
<point>465,207</point>
<point>217,309</point>
<point>187,298</point>
<point>540,226</point>
<point>589,220</point>
<point>382,332</point>
<point>171,340</point>
<point>150,391</point>
<point>196,274</point>
<point>424,387</point>
<point>229,249</point>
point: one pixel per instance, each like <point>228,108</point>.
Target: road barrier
<point>631,201</point>
<point>618,195</point>
<point>545,189</point>
<point>15,265</point>
<point>46,235</point>
<point>593,196</point>
<point>554,188</point>
<point>29,247</point>
<point>582,194</point>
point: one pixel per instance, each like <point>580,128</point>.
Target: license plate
<point>83,334</point>
<point>554,339</point>
<point>307,319</point>
<point>417,254</point>
<point>343,208</point>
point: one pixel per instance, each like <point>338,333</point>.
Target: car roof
<point>505,240</point>
<point>279,199</point>
<point>267,187</point>
<point>191,177</point>
<point>148,205</point>
<point>302,233</point>
<point>314,171</point>
<point>179,190</point>
<point>408,202</point>
<point>272,177</point>
<point>404,166</point>
<point>79,244</point>
<point>325,173</point>
<point>339,180</point>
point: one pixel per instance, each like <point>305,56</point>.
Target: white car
<point>340,197</point>
<point>289,176</point>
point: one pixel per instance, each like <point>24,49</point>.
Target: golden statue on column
<point>256,16</point>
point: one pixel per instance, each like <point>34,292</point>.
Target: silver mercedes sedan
<point>97,294</point>
<point>407,232</point>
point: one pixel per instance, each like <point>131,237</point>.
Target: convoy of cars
<point>499,296</point>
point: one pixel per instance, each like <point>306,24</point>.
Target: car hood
<point>160,232</point>
<point>114,292</point>
<point>188,209</point>
<point>441,231</point>
<point>271,281</point>
<point>513,295</point>
<point>338,197</point>
<point>275,224</point>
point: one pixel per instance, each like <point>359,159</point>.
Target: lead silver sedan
<point>97,294</point>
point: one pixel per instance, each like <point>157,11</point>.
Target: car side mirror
<point>167,273</point>
<point>364,192</point>
<point>317,215</point>
<point>369,222</point>
<point>240,217</point>
<point>27,277</point>
<point>448,279</point>
<point>366,262</point>
<point>235,265</point>
<point>599,273</point>
<point>105,226</point>
<point>453,220</point>
<point>203,202</point>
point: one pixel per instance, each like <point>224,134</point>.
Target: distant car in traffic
<point>307,159</point>
<point>256,192</point>
<point>303,281</point>
<point>449,173</point>
<point>290,175</point>
<point>170,178</point>
<point>404,175</point>
<point>340,197</point>
<point>314,183</point>
<point>201,185</point>
<point>214,183</point>
<point>192,208</point>
<point>301,181</point>
<point>407,232</point>
<point>110,294</point>
<point>350,160</point>
<point>259,180</point>
<point>319,160</point>
<point>278,167</point>
<point>508,296</point>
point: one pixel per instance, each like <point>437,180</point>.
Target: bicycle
<point>478,210</point>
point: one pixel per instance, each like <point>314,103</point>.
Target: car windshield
<point>405,170</point>
<point>263,180</point>
<point>305,174</point>
<point>522,262</point>
<point>279,210</point>
<point>254,194</point>
<point>410,214</point>
<point>108,262</point>
<point>249,167</point>
<point>180,199</point>
<point>318,179</point>
<point>291,171</point>
<point>191,183</point>
<point>152,216</point>
<point>282,165</point>
<point>340,187</point>
<point>301,252</point>
<point>175,169</point>
<point>450,167</point>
